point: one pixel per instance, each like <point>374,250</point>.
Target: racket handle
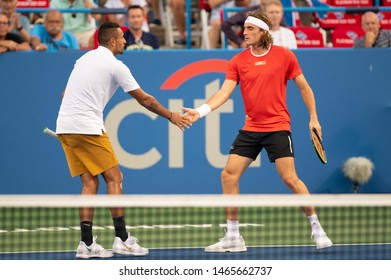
<point>50,132</point>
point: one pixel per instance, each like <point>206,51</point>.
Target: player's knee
<point>228,177</point>
<point>290,180</point>
<point>113,175</point>
<point>90,186</point>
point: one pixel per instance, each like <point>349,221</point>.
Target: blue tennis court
<point>337,252</point>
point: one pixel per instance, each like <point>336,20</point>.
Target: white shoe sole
<point>83,256</point>
<point>324,245</point>
<point>223,250</point>
<point>130,253</point>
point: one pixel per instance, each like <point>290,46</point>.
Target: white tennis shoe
<point>93,251</point>
<point>321,239</point>
<point>228,244</point>
<point>129,247</point>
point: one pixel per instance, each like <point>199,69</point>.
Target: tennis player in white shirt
<point>94,79</point>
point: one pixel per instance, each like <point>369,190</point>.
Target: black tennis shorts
<point>249,144</point>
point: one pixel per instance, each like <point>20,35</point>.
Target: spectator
<point>216,16</point>
<point>178,10</point>
<point>155,8</point>
<point>374,36</point>
<point>19,24</point>
<point>302,18</point>
<point>50,36</point>
<point>10,41</point>
<point>282,36</point>
<point>136,38</point>
<point>233,25</point>
<point>124,4</point>
<point>82,25</point>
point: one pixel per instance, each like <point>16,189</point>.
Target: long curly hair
<point>266,39</point>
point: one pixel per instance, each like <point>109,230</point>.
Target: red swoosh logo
<point>194,69</point>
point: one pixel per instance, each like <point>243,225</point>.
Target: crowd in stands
<point>58,31</point>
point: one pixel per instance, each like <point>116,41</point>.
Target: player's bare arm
<point>149,102</point>
<point>309,100</point>
<point>218,99</point>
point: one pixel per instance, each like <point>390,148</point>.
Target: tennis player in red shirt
<point>262,70</point>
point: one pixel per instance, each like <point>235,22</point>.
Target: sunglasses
<point>72,14</point>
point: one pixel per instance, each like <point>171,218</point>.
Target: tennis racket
<point>50,132</point>
<point>318,146</point>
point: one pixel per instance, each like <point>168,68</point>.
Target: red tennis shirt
<point>263,80</point>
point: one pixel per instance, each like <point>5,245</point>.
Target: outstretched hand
<point>180,121</point>
<point>191,114</point>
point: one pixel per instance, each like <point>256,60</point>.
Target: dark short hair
<point>107,31</point>
<point>135,7</point>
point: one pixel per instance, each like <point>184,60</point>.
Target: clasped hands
<point>185,120</point>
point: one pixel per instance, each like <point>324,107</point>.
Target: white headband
<point>258,22</point>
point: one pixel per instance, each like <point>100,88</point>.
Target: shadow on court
<point>337,252</point>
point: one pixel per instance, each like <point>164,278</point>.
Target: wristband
<point>203,110</point>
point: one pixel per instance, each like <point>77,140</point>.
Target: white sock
<point>315,224</point>
<point>233,229</point>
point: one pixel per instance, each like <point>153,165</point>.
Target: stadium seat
<point>308,37</point>
<point>344,37</point>
<point>352,3</point>
<point>386,2</point>
<point>385,19</point>
<point>339,19</point>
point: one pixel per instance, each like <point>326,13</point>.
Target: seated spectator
<point>136,38</point>
<point>154,4</point>
<point>121,19</point>
<point>282,36</point>
<point>215,20</point>
<point>233,25</point>
<point>178,11</point>
<point>374,36</point>
<point>19,24</point>
<point>82,25</point>
<point>10,41</point>
<point>50,36</point>
<point>302,18</point>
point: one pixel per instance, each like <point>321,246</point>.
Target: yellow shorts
<point>88,153</point>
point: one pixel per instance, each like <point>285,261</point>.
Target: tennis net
<point>46,227</point>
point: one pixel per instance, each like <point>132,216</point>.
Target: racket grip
<point>50,132</point>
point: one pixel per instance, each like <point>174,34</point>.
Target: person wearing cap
<point>263,71</point>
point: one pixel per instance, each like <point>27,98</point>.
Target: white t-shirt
<point>94,79</point>
<point>284,37</point>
